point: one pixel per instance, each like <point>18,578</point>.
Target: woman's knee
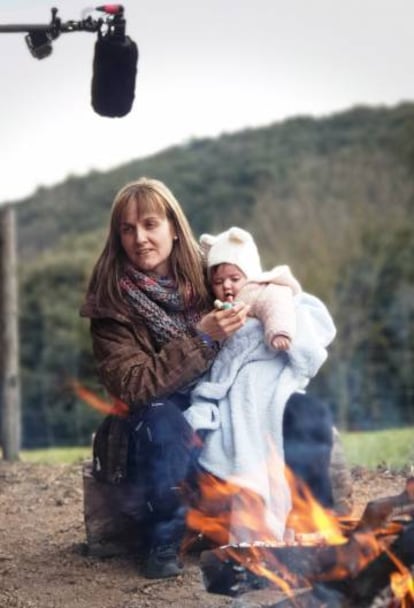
<point>307,419</point>
<point>162,423</point>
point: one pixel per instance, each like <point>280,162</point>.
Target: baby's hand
<point>281,342</point>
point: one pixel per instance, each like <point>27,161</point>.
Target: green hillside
<point>332,197</point>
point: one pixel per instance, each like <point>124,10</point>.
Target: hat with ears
<point>234,246</point>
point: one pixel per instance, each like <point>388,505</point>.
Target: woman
<point>153,334</point>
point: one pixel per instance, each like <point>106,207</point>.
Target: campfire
<point>330,561</point>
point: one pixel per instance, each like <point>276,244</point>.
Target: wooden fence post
<point>1,328</point>
<point>10,379</point>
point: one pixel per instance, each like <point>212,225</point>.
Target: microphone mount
<point>39,37</point>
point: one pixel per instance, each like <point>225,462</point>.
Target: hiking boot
<point>163,562</point>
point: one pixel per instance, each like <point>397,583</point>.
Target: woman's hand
<point>220,324</point>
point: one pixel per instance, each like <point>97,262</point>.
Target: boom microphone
<point>114,73</point>
<point>115,59</point>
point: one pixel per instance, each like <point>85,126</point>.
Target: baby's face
<point>226,281</point>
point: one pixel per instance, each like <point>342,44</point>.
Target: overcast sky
<point>205,68</point>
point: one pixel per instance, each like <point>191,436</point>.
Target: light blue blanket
<point>241,401</point>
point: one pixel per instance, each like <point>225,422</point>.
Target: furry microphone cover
<point>114,74</point>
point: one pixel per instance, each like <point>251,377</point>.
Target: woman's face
<point>147,239</point>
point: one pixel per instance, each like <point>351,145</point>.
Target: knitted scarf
<point>158,301</point>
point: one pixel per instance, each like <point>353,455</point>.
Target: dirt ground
<point>42,548</point>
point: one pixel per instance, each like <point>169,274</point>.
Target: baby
<point>238,405</point>
<point>235,274</point>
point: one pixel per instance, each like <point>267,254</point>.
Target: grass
<point>392,447</point>
<point>64,455</point>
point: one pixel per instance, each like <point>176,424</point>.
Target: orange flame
<point>402,582</point>
<point>309,516</point>
<point>263,563</point>
<point>218,504</point>
<point>402,586</point>
<point>118,407</point>
<point>215,508</point>
<point>221,502</point>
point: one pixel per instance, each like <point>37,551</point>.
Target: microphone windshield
<point>114,74</point>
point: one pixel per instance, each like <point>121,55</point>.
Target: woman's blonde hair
<point>150,195</point>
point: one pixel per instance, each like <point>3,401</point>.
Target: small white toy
<point>222,305</point>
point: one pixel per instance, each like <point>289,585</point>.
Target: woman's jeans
<point>161,453</point>
<point>308,439</point>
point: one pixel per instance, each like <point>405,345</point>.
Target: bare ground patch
<point>43,562</point>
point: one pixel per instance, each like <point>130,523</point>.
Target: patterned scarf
<point>158,301</point>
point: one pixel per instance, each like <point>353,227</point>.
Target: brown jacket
<point>129,364</point>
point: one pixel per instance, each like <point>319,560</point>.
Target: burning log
<point>357,568</point>
<point>234,569</point>
<point>362,589</point>
<point>224,575</point>
<point>378,511</point>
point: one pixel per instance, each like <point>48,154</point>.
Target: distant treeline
<point>331,197</point>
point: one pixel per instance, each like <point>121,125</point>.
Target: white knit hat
<point>234,246</point>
